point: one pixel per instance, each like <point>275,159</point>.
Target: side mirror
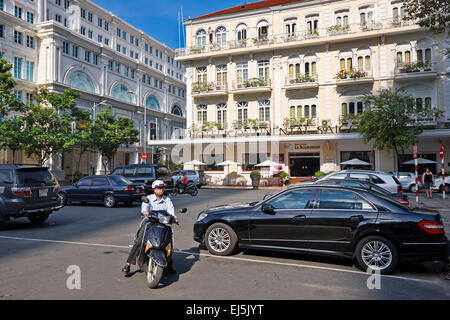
<point>268,209</point>
<point>267,196</point>
<point>145,199</point>
<point>183,210</point>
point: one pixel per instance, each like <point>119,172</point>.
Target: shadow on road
<point>183,263</point>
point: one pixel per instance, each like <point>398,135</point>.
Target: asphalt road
<point>34,261</point>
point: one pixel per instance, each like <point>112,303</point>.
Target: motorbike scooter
<point>156,246</point>
<point>190,188</point>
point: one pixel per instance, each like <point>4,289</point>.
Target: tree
<point>48,124</point>
<point>8,102</point>
<point>83,136</point>
<point>431,14</point>
<point>391,122</point>
<point>109,134</point>
<point>12,135</point>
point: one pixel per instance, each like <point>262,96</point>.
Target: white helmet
<point>158,184</point>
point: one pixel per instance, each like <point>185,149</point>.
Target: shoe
<point>126,269</point>
<point>171,269</point>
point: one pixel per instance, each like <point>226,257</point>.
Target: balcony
<point>209,89</point>
<point>342,33</point>
<point>252,85</point>
<point>303,81</point>
<point>415,70</point>
<point>353,76</point>
<point>252,127</point>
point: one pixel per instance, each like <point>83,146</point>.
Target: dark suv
<point>27,191</point>
<point>145,174</point>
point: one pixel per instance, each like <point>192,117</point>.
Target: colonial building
<point>289,75</point>
<point>77,44</point>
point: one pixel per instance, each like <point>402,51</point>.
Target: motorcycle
<point>156,245</point>
<point>190,188</point>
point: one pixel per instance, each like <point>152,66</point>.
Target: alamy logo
<point>74,280</point>
<point>374,280</point>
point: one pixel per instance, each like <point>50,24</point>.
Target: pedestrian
<point>428,182</point>
<point>211,35</point>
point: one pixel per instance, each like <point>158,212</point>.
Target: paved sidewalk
<point>242,187</point>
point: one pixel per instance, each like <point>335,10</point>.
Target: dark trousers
<point>138,245</point>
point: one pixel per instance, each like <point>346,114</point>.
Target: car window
<point>360,176</point>
<point>34,176</point>
<point>6,176</point>
<point>338,176</point>
<point>350,183</point>
<point>327,182</point>
<point>100,182</point>
<point>191,172</point>
<point>296,199</point>
<point>119,180</point>
<point>336,199</point>
<point>362,204</point>
<point>86,182</point>
<point>145,172</point>
<point>118,171</point>
<point>378,180</point>
<point>129,171</point>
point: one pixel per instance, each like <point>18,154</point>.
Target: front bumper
<point>199,228</point>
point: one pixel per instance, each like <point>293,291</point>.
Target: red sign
<point>441,152</point>
<point>415,151</point>
<point>144,156</point>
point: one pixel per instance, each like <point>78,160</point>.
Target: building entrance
<point>304,164</point>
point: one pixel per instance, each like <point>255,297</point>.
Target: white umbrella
<point>356,162</point>
<point>267,163</point>
<point>420,161</point>
<point>227,163</point>
<point>195,163</point>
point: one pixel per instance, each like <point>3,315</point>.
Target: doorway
<point>304,164</point>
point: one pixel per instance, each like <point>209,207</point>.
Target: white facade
<point>77,44</point>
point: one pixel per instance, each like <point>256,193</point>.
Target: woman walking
<point>428,182</point>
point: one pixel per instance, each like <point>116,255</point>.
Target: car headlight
<point>202,216</point>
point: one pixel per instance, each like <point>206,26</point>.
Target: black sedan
<point>331,220</point>
<point>108,190</point>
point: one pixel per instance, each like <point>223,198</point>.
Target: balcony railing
<point>283,38</point>
<point>252,83</point>
<point>302,79</point>
<point>352,74</point>
<point>204,87</point>
<point>415,67</point>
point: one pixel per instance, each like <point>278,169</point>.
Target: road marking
<point>222,257</point>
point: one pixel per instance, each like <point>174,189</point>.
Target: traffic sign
<point>441,152</point>
<point>144,156</point>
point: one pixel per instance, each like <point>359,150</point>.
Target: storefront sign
<point>305,147</point>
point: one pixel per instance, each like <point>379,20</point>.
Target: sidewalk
<point>242,187</point>
<point>437,203</point>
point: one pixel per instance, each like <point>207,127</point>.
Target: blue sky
<point>159,18</point>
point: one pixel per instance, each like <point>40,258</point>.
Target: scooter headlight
<point>202,216</point>
<point>169,249</point>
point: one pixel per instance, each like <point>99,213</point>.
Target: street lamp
<point>145,122</point>
<point>94,110</point>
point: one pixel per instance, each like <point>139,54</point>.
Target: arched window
<point>152,103</point>
<point>221,35</point>
<point>201,38</point>
<point>263,29</point>
<point>81,81</point>
<point>423,51</point>
<point>242,111</point>
<point>176,110</point>
<point>202,113</point>
<point>241,32</point>
<point>290,26</point>
<point>222,114</point>
<point>264,110</point>
<point>121,92</point>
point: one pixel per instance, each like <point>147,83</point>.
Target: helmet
<point>158,184</point>
<point>183,172</point>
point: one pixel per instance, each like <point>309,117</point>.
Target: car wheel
<point>412,188</point>
<point>63,199</point>
<point>109,201</point>
<point>377,253</point>
<point>38,218</point>
<point>220,239</point>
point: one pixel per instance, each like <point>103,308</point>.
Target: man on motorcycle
<point>182,183</point>
<point>157,202</point>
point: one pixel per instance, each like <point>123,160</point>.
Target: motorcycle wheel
<point>154,274</point>
<point>194,191</point>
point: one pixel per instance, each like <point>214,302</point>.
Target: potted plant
<point>342,74</point>
<point>283,175</point>
<point>256,177</point>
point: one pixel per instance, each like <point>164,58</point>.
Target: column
<point>276,105</point>
<point>189,99</point>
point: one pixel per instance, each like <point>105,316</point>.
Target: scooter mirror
<point>144,199</point>
<point>182,210</point>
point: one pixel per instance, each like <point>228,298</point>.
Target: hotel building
<point>270,72</point>
<point>77,44</point>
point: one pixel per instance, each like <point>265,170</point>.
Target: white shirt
<point>165,204</point>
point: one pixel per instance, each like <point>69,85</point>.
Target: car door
<point>285,227</point>
<point>81,190</point>
<point>100,185</point>
<point>336,216</point>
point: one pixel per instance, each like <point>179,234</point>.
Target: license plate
<point>138,189</point>
<point>43,193</point>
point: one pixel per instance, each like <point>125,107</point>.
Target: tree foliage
<point>431,14</point>
<point>391,122</point>
<point>8,101</point>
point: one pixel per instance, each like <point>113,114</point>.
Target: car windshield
<point>34,176</point>
<point>6,176</point>
<point>120,180</point>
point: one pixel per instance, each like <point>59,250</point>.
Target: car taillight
<point>399,189</point>
<point>432,227</point>
<point>56,189</point>
<point>21,191</point>
<point>403,201</point>
<point>129,189</point>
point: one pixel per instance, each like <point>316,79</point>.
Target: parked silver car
<point>438,184</point>
<point>385,180</point>
<point>408,180</point>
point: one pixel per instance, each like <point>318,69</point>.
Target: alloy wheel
<point>376,255</point>
<point>219,239</point>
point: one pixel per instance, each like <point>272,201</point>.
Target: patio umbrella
<point>267,163</point>
<point>195,163</point>
<point>227,163</point>
<point>420,161</point>
<point>356,162</point>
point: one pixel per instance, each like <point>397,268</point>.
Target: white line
<point>221,257</point>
